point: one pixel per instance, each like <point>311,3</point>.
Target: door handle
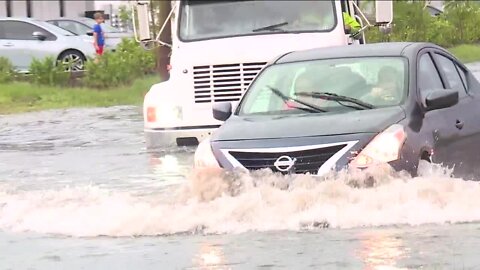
<point>8,45</point>
<point>459,124</point>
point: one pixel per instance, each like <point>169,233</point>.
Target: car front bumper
<point>277,148</point>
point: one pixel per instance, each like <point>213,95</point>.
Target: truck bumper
<point>184,136</point>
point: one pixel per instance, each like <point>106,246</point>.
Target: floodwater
<point>79,191</point>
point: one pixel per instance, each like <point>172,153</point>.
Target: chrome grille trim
<point>325,168</point>
<point>226,82</point>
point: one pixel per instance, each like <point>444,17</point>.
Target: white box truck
<point>218,47</point>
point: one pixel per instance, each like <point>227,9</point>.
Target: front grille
<point>220,83</point>
<point>307,161</point>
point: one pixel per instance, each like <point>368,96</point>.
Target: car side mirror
<point>439,99</point>
<point>39,35</point>
<point>222,111</point>
<point>90,34</point>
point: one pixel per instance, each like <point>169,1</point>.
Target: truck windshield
<point>331,85</point>
<point>218,19</point>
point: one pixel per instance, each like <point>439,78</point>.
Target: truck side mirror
<point>383,11</point>
<point>143,22</point>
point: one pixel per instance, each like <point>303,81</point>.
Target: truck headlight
<point>385,147</point>
<point>165,114</point>
<point>204,156</point>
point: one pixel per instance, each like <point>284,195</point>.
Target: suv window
<point>428,77</point>
<point>22,31</point>
<point>451,73</point>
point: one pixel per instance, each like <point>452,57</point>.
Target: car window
<point>463,75</point>
<point>68,26</point>
<point>22,31</point>
<point>74,27</point>
<point>428,77</point>
<point>54,29</point>
<point>2,32</point>
<point>452,76</point>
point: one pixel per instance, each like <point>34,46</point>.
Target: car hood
<point>307,125</point>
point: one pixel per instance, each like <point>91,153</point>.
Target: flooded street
<point>78,190</point>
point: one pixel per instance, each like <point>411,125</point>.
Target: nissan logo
<point>284,163</point>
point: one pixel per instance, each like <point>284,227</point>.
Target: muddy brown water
<point>78,190</point>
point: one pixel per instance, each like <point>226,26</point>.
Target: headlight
<point>385,147</point>
<point>167,115</point>
<point>204,156</point>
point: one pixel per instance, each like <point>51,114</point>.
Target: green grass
<point>18,97</point>
<point>466,53</point>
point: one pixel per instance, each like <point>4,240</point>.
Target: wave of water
<point>217,202</point>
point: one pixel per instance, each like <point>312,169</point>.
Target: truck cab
<point>218,48</point>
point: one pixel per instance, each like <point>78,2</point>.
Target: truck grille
<point>219,83</point>
<point>307,161</point>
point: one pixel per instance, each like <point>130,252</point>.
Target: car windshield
<point>327,86</point>
<point>217,19</point>
<point>105,27</point>
<point>53,28</point>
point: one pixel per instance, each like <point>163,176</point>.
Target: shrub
<point>6,70</point>
<point>465,18</point>
<point>412,22</point>
<point>121,67</point>
<point>49,72</point>
<point>107,71</point>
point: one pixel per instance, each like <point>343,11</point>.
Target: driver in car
<point>386,91</point>
<point>306,83</point>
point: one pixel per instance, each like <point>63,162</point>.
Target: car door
<point>23,46</point>
<point>438,126</point>
<point>5,44</point>
<point>465,147</point>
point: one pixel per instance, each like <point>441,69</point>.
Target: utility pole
<point>163,52</point>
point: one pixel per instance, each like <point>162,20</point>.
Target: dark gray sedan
<point>352,106</point>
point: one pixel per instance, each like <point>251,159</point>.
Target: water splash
<point>220,202</point>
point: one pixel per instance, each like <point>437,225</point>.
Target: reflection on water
<point>381,250</point>
<point>210,257</point>
<point>170,167</point>
<point>162,165</point>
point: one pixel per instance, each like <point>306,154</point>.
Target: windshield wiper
<point>310,107</point>
<point>273,27</point>
<point>339,99</point>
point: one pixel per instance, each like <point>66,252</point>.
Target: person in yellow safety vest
<point>351,24</point>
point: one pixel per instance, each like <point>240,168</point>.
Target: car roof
<point>24,19</point>
<point>68,19</point>
<point>43,24</point>
<point>407,49</point>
